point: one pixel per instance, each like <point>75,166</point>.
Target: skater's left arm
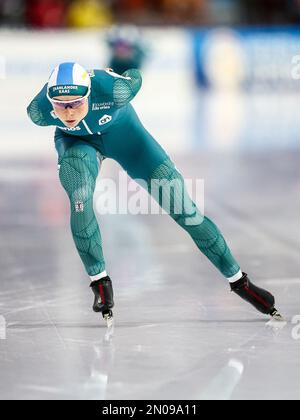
<point>126,87</point>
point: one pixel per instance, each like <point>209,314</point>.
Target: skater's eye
<point>69,104</point>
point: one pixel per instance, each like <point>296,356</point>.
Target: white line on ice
<point>221,387</point>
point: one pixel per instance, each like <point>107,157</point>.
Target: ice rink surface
<point>179,333</point>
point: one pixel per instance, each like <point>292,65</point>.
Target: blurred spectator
<point>88,14</point>
<point>12,12</point>
<point>127,48</point>
<point>224,12</point>
<point>294,10</point>
<point>266,11</point>
<point>187,11</point>
<point>136,11</point>
<point>130,5</point>
<point>46,13</point>
<point>99,13</point>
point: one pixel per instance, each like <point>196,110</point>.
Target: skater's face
<point>72,114</point>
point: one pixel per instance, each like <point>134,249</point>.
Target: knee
<point>78,172</point>
<point>175,198</point>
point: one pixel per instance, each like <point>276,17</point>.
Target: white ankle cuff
<point>98,276</point>
<point>236,277</point>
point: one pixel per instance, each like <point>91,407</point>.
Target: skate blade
<point>277,322</point>
<point>277,316</point>
<point>109,319</point>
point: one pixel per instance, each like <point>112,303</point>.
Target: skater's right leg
<point>78,173</point>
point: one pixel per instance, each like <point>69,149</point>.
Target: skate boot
<point>262,300</point>
<point>103,301</point>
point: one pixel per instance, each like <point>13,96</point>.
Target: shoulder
<point>105,77</point>
<point>103,84</point>
<point>126,87</point>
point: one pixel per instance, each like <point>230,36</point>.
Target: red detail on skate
<point>101,290</point>
<point>257,297</point>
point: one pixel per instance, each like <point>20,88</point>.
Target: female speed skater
<point>93,116</point>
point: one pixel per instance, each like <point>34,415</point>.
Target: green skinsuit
<point>113,129</point>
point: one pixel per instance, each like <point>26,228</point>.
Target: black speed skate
<point>261,299</point>
<point>103,301</point>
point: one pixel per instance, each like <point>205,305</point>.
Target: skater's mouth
<point>70,121</point>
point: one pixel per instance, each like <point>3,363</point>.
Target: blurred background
<point>221,93</point>
<point>228,62</point>
<point>91,13</point>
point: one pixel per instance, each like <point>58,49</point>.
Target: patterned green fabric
<point>113,129</point>
<point>166,186</point>
<point>130,145</point>
<point>36,112</point>
<point>78,173</point>
<point>124,90</point>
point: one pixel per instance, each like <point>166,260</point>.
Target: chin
<point>69,125</point>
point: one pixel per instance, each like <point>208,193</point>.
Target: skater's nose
<point>69,112</point>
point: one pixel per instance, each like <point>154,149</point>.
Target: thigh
<point>133,147</point>
<point>67,146</point>
<point>77,162</point>
<point>65,143</point>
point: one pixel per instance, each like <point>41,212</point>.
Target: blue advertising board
<point>247,57</point>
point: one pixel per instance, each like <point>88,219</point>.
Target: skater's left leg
<point>142,157</point>
<point>167,187</point>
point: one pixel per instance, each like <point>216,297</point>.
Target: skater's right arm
<point>39,110</point>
